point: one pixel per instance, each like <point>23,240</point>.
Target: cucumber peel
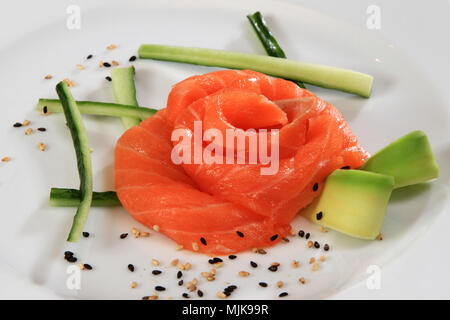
<point>99,108</point>
<point>60,197</point>
<point>125,92</point>
<point>82,150</point>
<point>319,75</point>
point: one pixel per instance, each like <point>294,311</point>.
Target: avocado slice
<point>352,202</point>
<point>409,160</point>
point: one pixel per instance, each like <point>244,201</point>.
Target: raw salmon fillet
<point>225,208</point>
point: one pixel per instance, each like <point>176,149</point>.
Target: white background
<point>419,28</point>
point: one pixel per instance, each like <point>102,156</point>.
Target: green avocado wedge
<point>352,202</point>
<point>410,160</point>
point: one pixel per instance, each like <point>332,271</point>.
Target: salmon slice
<point>216,203</point>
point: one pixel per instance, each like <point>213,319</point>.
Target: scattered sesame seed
<point>316,245</point>
<point>285,239</point>
<point>17,125</point>
<point>312,260</point>
<point>174,262</point>
<point>292,232</point>
<point>273,268</point>
<point>108,78</point>
<point>45,110</point>
<point>380,236</point>
<point>323,229</point>
<point>180,283</point>
<point>86,234</point>
<point>280,284</point>
<point>81,266</point>
<point>195,246</point>
<point>326,247</point>
<point>200,293</point>
<point>315,186</point>
<point>283,294</point>
<point>319,215</point>
<point>180,266</point>
<point>123,235</point>
<point>232,257</point>
<point>143,234</point>
<point>134,284</point>
<point>131,267</point>
<point>26,123</point>
<point>106,64</point>
<point>48,77</point>
<point>87,266</point>
<point>302,280</point>
<point>301,233</point>
<point>101,63</point>
<point>160,288</point>
<point>28,131</point>
<point>111,47</point>
<point>179,247</point>
<point>310,244</point>
<point>155,262</point>
<point>323,258</point>
<point>42,129</point>
<point>132,58</point>
<point>203,241</point>
<point>80,67</point>
<point>243,273</point>
<point>156,228</point>
<point>253,264</point>
<point>307,236</point>
<point>277,264</point>
<point>69,82</point>
<point>315,267</point>
<point>240,234</point>
<point>89,56</point>
<point>221,295</point>
<point>71,259</point>
<point>185,295</point>
<point>263,284</point>
<point>41,146</point>
<point>68,253</point>
<point>179,274</point>
<point>274,237</point>
<point>6,159</point>
<point>295,264</point>
<point>156,272</point>
<point>187,266</point>
<point>262,251</point>
<point>218,264</point>
<point>115,63</point>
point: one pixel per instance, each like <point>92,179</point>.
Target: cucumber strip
<point>99,108</point>
<point>319,75</point>
<point>125,93</point>
<point>60,197</point>
<point>81,145</point>
<point>267,39</point>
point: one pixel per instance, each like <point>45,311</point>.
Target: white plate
<point>33,234</point>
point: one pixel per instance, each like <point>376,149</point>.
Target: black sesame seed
<point>17,125</point>
<point>316,245</point>
<point>185,295</point>
<point>200,293</point>
<point>131,267</point>
<point>179,274</point>
<point>180,283</point>
<point>285,239</point>
<point>346,168</point>
<point>262,251</point>
<point>42,129</point>
<point>232,257</point>
<point>253,264</point>
<point>89,57</point>
<point>216,260</point>
<point>263,284</point>
<point>307,235</point>
<point>107,64</point>
<point>203,241</point>
<point>68,253</point>
<point>232,287</point>
<point>283,294</point>
<point>211,261</point>
<point>240,234</point>
<point>108,78</point>
<point>86,234</point>
<point>274,237</point>
<point>160,288</point>
<point>156,272</point>
<point>227,293</point>
<point>319,215</point>
<point>71,259</point>
<point>45,109</point>
<point>315,186</point>
<point>273,268</point>
<point>87,266</point>
<point>132,58</point>
<point>301,233</point>
<point>123,235</point>
<point>326,247</point>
